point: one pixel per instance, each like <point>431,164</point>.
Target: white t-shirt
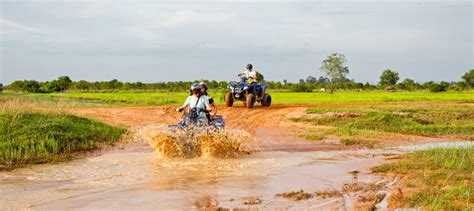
<point>252,74</point>
<point>191,102</point>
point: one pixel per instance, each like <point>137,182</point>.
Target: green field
<point>173,98</point>
<point>425,119</point>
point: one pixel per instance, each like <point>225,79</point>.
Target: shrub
<point>301,88</point>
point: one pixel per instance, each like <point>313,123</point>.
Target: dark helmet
<point>203,85</point>
<point>195,87</point>
<point>249,66</point>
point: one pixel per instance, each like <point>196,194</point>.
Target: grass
<point>437,179</point>
<point>422,119</point>
<point>313,136</point>
<point>172,98</point>
<point>31,133</point>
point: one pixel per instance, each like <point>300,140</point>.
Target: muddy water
<point>137,179</point>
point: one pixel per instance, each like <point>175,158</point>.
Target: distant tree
<point>260,76</point>
<point>334,66</point>
<point>301,81</point>
<point>441,87</point>
<point>389,77</point>
<point>311,80</point>
<point>469,77</point>
<point>82,85</point>
<point>323,80</point>
<point>285,81</point>
<point>408,84</point>
<point>114,84</point>
<point>1,87</point>
<point>302,87</point>
<point>63,83</point>
<point>32,86</point>
<point>52,86</point>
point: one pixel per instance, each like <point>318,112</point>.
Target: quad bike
<point>192,120</point>
<point>248,92</point>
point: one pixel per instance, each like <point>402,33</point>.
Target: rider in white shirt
<point>249,73</point>
<point>196,100</point>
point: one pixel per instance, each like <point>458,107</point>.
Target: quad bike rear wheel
<point>229,99</point>
<point>250,101</point>
<point>266,100</point>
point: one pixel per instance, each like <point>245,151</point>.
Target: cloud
<point>10,28</point>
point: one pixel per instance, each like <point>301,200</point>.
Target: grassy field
<point>166,98</point>
<point>438,179</point>
<point>425,119</point>
<point>31,133</point>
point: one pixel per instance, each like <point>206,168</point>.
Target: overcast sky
<point>159,41</point>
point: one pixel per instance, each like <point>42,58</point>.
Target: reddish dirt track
<point>270,125</point>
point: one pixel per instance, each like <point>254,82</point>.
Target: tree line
<point>333,67</point>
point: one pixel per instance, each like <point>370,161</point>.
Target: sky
<point>153,41</point>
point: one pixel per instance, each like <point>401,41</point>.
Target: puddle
<point>139,180</point>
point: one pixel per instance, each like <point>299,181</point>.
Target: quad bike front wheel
<point>266,100</point>
<point>229,99</point>
<point>250,101</point>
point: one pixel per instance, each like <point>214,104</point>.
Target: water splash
<point>195,142</point>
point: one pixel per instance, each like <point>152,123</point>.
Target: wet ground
<point>133,177</point>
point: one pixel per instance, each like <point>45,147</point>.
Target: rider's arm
<point>208,106</point>
<point>186,103</point>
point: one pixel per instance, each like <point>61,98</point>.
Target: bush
<point>301,88</point>
<point>442,87</point>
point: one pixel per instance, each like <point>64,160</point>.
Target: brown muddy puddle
<point>137,179</point>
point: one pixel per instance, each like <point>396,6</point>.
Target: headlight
<point>245,87</point>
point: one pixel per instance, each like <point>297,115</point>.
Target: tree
<point>302,81</point>
<point>64,82</point>
<point>285,81</point>
<point>334,66</point>
<point>389,77</point>
<point>32,86</point>
<point>441,87</point>
<point>311,80</point>
<point>469,77</point>
<point>408,84</point>
<point>1,87</point>
<point>323,80</point>
<point>82,85</point>
<point>260,76</point>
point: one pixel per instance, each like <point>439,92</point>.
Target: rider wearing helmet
<point>204,88</point>
<point>249,73</point>
<point>198,104</point>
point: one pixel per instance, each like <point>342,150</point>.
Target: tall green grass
<point>437,179</point>
<point>31,134</point>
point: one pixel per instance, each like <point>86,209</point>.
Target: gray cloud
<point>150,41</point>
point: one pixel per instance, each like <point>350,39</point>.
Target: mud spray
<point>195,142</point>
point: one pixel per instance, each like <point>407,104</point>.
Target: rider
<point>198,104</point>
<point>204,88</point>
<point>249,73</point>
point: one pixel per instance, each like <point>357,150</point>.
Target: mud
<point>132,176</point>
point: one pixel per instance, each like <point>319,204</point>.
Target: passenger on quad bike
<point>249,74</point>
<point>198,106</point>
<point>204,88</point>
